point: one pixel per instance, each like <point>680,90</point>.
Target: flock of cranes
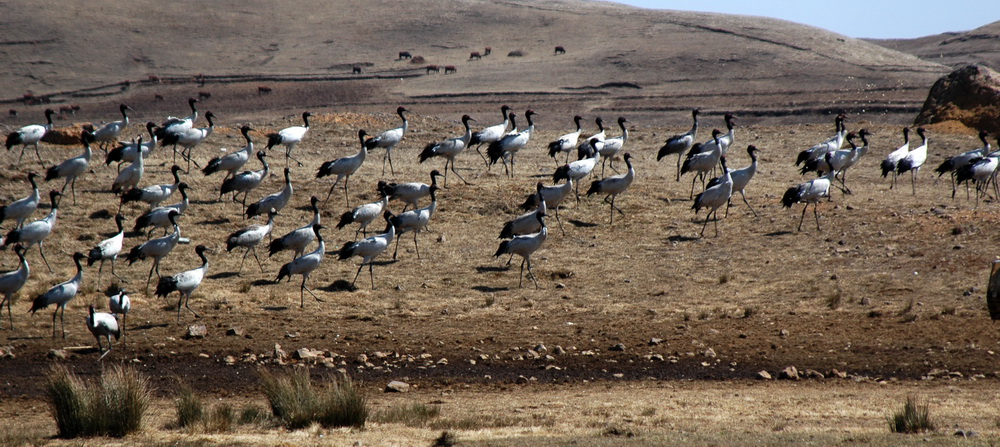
<point>522,236</point>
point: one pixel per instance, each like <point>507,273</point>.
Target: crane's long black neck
<point>305,120</point>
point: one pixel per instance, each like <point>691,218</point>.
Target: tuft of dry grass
<point>413,415</point>
<point>114,407</point>
<point>190,409</point>
<point>297,404</point>
<point>912,418</point>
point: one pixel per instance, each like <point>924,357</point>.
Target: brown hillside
<point>619,58</point>
<point>958,49</point>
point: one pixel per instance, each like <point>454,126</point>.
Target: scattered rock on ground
<point>197,331</point>
<point>397,387</point>
<point>58,354</point>
<point>764,375</point>
<point>789,373</point>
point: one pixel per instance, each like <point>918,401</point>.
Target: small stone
<point>789,373</point>
<point>442,361</point>
<point>441,238</point>
<point>966,433</point>
<point>618,348</point>
<point>229,360</point>
<point>540,348</point>
<point>783,333</point>
<point>521,380</point>
<point>234,331</point>
<point>362,358</point>
<point>866,301</point>
<point>58,354</point>
<point>307,354</point>
<point>197,331</point>
<point>657,357</point>
<point>838,374</point>
<point>763,375</point>
<point>278,352</point>
<point>560,285</point>
<point>710,353</point>
<point>558,350</point>
<point>292,335</point>
<point>655,341</point>
<point>396,386</point>
<point>204,356</point>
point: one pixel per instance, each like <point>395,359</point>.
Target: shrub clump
<point>115,406</point>
<point>295,403</point>
<point>190,409</point>
<point>912,418</point>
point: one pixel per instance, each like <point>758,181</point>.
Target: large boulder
<point>970,95</point>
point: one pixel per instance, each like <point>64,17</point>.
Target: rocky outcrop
<point>970,95</point>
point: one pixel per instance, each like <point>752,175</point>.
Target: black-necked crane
<point>36,232</point>
<point>410,193</point>
<point>71,168</point>
<point>129,177</point>
<point>120,304</point>
<point>741,178</point>
<point>156,248</point>
<point>953,164</point>
<point>587,147</point>
<point>298,239</point>
<point>612,146</point>
<point>184,283</point>
<point>365,214</point>
<point>344,168</point>
<point>108,250</point>
<point>819,150</point>
<point>567,142</point>
<point>714,197</point>
<point>701,163</point>
<point>892,158</point>
<point>509,145</point>
<point>159,217</point>
<point>837,161</point>
<point>304,265</point>
<point>680,144</point>
<point>369,248</point>
<point>11,282</point>
<point>188,139</point>
<point>492,133</point>
<point>809,192</point>
<point>579,169</point>
<point>60,295</point>
<point>276,201</point>
<point>249,238</point>
<point>982,171</point>
<point>390,138</point>
<point>290,137</point>
<point>175,125</point>
<point>524,246</point>
<point>109,132</point>
<point>245,181</point>
<point>553,197</point>
<point>102,324</point>
<point>914,160</point>
<point>30,135</point>
<point>128,152</point>
<point>414,221</point>
<point>725,140</point>
<point>24,207</point>
<point>526,223</point>
<point>154,194</point>
<point>612,186</point>
<point>232,163</point>
<point>853,159</point>
<point>449,149</point>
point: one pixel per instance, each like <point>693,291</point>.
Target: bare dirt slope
<point>957,49</point>
<point>618,58</point>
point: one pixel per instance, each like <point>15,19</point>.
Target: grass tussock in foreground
<point>296,403</point>
<point>115,406</point>
<point>912,418</point>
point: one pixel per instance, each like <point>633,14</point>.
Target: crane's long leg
<point>560,222</point>
<point>150,277</point>
<point>54,321</point>
<point>396,250</point>
<point>108,351</point>
<point>913,180</point>
<point>6,299</point>
<point>100,348</point>
<point>347,198</point>
<point>456,173</point>
<point>706,224</point>
<point>693,179</point>
<point>803,216</point>
<point>62,320</point>
<point>330,193</point>
<point>715,218</point>
<point>531,273</point>
<point>41,250</point>
<point>485,160</point>
<point>357,274</point>
<point>816,213</point>
<point>187,305</point>
<point>100,268</point>
<point>254,249</point>
<point>371,272</point>
<point>245,254</point>
<point>520,274</point>
<point>746,202</point>
<point>415,245</point>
